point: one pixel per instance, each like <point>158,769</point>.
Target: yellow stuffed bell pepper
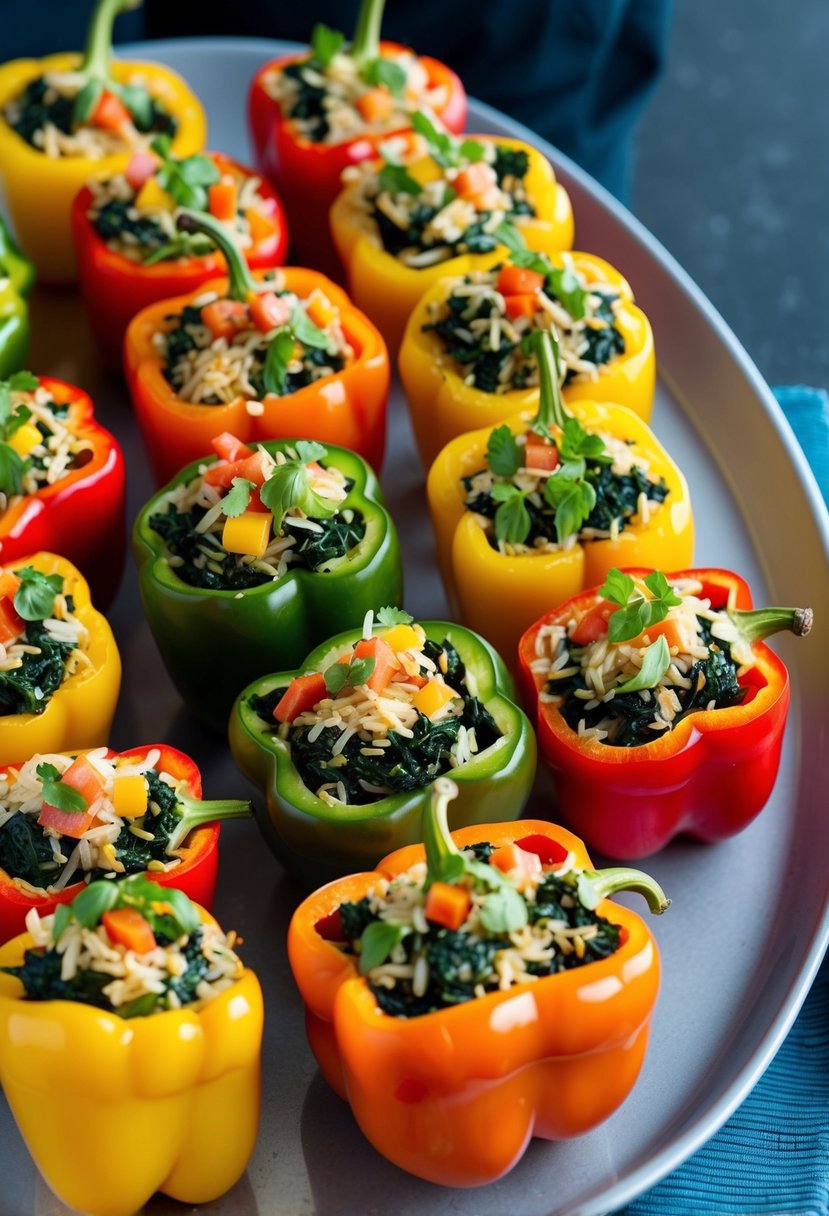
<point>88,117</point>
<point>162,1095</point>
<point>470,188</point>
<point>60,679</point>
<point>502,499</point>
<point>444,403</point>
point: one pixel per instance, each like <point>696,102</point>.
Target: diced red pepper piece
<point>269,311</point>
<point>11,625</point>
<point>512,857</point>
<point>222,199</point>
<point>594,623</point>
<point>302,693</point>
<point>540,455</point>
<point>518,281</point>
<point>549,851</point>
<point>127,927</point>
<point>225,318</point>
<point>330,927</point>
<point>81,776</point>
<point>228,447</point>
<point>447,905</point>
<point>520,306</point>
<point>110,114</point>
<point>385,661</point>
<point>140,169</point>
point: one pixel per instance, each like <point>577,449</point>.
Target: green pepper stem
<point>596,885</point>
<point>197,812</point>
<point>759,623</point>
<point>551,411</point>
<point>365,44</point>
<point>99,36</point>
<point>242,284</point>
<point>438,843</point>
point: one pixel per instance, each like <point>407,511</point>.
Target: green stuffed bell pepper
<point>347,747</point>
<point>17,276</point>
<point>249,558</point>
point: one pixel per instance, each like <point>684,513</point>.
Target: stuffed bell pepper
<point>61,480</point>
<point>528,513</point>
<point>67,117</point>
<point>269,357</point>
<point>314,114</point>
<point>128,1017</point>
<point>17,276</point>
<point>658,706</point>
<point>435,205</point>
<point>347,746</point>
<point>477,990</point>
<point>130,252</point>
<point>60,671</point>
<point>66,820</point>
<point>256,557</point>
<point>466,362</point>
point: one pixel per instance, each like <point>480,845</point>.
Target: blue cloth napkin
<point>772,1156</point>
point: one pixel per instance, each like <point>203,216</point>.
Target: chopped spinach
<point>40,104</point>
<point>309,104</point>
<point>27,689</point>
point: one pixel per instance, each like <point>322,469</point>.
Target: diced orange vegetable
<point>593,624</point>
<point>518,280</point>
<point>669,629</point>
<point>320,310</point>
<point>539,455</point>
<point>432,697</point>
<point>261,226</point>
<point>447,905</point>
<point>385,661</point>
<point>228,447</point>
<point>222,199</point>
<point>256,467</point>
<point>225,318</point>
<point>81,776</point>
<point>127,927</point>
<point>110,114</point>
<point>142,166</point>
<point>248,533</point>
<point>269,311</point>
<point>520,306</point>
<point>375,104</point>
<point>302,693</point>
<point>9,583</point>
<point>474,179</point>
<point>510,857</point>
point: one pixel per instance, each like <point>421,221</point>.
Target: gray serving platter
<point>749,922</point>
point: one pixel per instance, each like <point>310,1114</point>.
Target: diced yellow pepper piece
<point>129,796</point>
<point>25,439</point>
<point>320,310</point>
<point>425,170</point>
<point>151,197</point>
<point>432,697</point>
<point>403,637</point>
<point>248,533</point>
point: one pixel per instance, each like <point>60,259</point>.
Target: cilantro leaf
<point>618,587</point>
<point>289,486</point>
<point>34,599</point>
<point>308,450</point>
<point>396,179</point>
<point>565,285</point>
<point>528,259</point>
<point>512,519</point>
<point>577,443</point>
<point>572,498</point>
<point>89,906</point>
<point>661,589</point>
<point>237,498</point>
<point>348,675</point>
<point>139,103</point>
<point>57,793</point>
<point>440,144</point>
<point>504,911</point>
<point>504,454</point>
<point>381,71</point>
<point>277,358</point>
<point>393,616</point>
<point>378,940</point>
<point>655,662</point>
<point>23,382</point>
<point>185,180</point>
<point>325,43</point>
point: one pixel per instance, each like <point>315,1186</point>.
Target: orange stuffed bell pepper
<point>528,513</point>
<point>61,673</point>
<point>67,117</point>
<point>314,114</point>
<point>129,1015</point>
<point>259,358</point>
<point>129,252</point>
<point>497,997</point>
<point>458,377</point>
<point>440,206</point>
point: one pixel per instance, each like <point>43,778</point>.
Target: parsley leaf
<point>348,675</point>
<point>325,43</point>
<point>237,498</point>
<point>277,358</point>
<point>386,72</point>
<point>636,612</point>
<point>509,235</point>
<point>512,521</point>
<point>12,471</point>
<point>304,329</point>
<point>528,259</point>
<point>185,180</point>
<point>308,450</point>
<point>57,793</point>
<point>34,599</point>
<point>289,486</point>
<point>618,587</point>
<point>576,443</point>
<point>655,662</point>
<point>565,286</point>
<point>504,454</point>
<point>378,940</point>
<point>571,496</point>
<point>393,616</point>
<point>396,179</point>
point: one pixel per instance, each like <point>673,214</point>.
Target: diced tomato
<point>110,114</point>
<point>225,318</point>
<point>127,927</point>
<point>539,455</point>
<point>228,447</point>
<point>549,851</point>
<point>385,661</point>
<point>518,281</point>
<point>81,776</point>
<point>269,311</point>
<point>222,199</point>
<point>11,625</point>
<point>669,629</point>
<point>512,857</point>
<point>474,179</point>
<point>140,169</point>
<point>261,226</point>
<point>330,927</point>
<point>520,306</point>
<point>302,693</point>
<point>375,104</point>
<point>594,623</point>
<point>447,905</point>
<point>256,468</point>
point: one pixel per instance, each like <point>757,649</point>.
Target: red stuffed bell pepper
<point>658,707</point>
<point>314,114</point>
<point>62,478</point>
<point>129,252</point>
<point>69,819</point>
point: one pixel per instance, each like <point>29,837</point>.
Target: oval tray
<point>749,921</point>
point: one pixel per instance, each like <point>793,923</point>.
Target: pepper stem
<point>365,44</point>
<point>196,812</point>
<point>441,850</point>
<point>99,36</point>
<point>759,623</point>
<point>242,284</point>
<point>596,885</point>
<point>551,411</point>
